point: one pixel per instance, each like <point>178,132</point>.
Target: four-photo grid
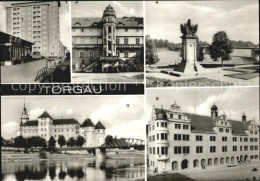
<point>130,90</point>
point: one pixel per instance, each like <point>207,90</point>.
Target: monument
<point>189,64</point>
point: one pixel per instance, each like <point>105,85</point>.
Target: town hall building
<point>46,126</point>
<point>107,44</point>
<point>178,140</point>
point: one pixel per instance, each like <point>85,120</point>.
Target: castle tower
<point>45,124</point>
<point>244,118</point>
<point>109,31</point>
<point>24,115</point>
<point>214,111</point>
<point>88,131</point>
<point>100,134</point>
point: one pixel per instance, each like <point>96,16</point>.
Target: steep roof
<point>97,22</point>
<point>64,121</point>
<point>99,125</point>
<point>200,123</point>
<point>45,115</point>
<point>87,123</point>
<point>160,114</point>
<point>31,123</point>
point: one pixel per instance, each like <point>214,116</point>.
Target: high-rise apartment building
<point>37,22</point>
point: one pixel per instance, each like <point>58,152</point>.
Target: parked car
<point>231,165</point>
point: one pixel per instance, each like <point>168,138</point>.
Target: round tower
<point>109,31</point>
<point>214,111</point>
<point>161,139</point>
<point>88,130</point>
<point>244,118</point>
<point>100,134</point>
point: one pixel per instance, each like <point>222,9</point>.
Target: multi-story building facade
<point>179,140</point>
<point>107,44</point>
<point>45,126</point>
<point>36,22</point>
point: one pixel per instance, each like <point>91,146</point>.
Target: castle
<point>45,126</point>
<point>179,140</point>
<point>108,43</point>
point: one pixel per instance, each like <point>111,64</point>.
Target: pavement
<point>127,77</point>
<point>21,73</point>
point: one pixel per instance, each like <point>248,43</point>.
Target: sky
<point>64,15</point>
<point>239,18</point>
<point>119,119</point>
<point>232,101</point>
<point>96,8</point>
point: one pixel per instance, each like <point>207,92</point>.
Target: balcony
<point>162,142</point>
<point>162,157</point>
<point>129,45</point>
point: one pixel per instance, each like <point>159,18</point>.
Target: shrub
<point>43,154</point>
<point>26,150</point>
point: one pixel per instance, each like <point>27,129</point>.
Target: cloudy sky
<point>113,112</point>
<point>64,21</point>
<point>239,18</point>
<point>96,8</point>
<point>229,100</point>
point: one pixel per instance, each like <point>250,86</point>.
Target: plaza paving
<point>221,173</point>
<point>21,73</point>
<point>108,77</point>
<point>237,173</point>
<point>213,77</point>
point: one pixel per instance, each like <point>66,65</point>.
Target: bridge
<point>123,143</point>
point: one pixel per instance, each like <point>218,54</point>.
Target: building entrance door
<point>184,164</point>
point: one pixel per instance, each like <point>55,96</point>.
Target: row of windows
<point>199,149</point>
<point>184,126</point>
<point>179,137</point>
<point>92,55</point>
<point>162,136</point>
<point>163,124</point>
<point>160,150</point>
<point>91,30</point>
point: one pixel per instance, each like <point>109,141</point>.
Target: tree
<point>61,141</point>
<point>42,143</point>
<point>151,51</point>
<point>2,141</point>
<point>108,139</point>
<point>165,43</point>
<point>220,47</point>
<point>160,43</point>
<point>80,141</point>
<point>20,142</point>
<point>52,142</point>
<point>71,142</point>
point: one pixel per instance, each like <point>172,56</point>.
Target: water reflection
<point>81,169</point>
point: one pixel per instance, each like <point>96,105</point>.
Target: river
<point>77,169</point>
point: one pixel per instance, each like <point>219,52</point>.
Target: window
<point>251,147</point>
<point>224,138</point>
<point>91,54</point>
<point>125,40</point>
<point>179,116</point>
<point>241,139</point>
<point>185,137</point>
<point>164,150</point>
<point>117,41</point>
<point>137,41</point>
<point>185,126</point>
<point>198,138</point>
<point>157,124</point>
<point>81,54</point>
<point>227,130</point>
<point>82,30</point>
<point>234,139</point>
<point>126,30</point>
<point>256,147</point>
<point>245,139</point>
<point>245,148</point>
<point>177,126</point>
<point>177,150</point>
<point>158,137</point>
<point>241,148</point>
<point>177,137</point>
<point>171,115</point>
<point>118,54</point>
<point>234,148</point>
<point>212,138</point>
<point>163,136</point>
<point>220,129</point>
<point>212,149</point>
<point>186,149</point>
<point>126,54</point>
<point>224,148</point>
<point>199,149</point>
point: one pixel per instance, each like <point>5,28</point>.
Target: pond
<point>78,169</point>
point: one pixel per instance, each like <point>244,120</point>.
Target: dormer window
<point>179,116</point>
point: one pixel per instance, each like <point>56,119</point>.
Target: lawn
<point>168,177</point>
<point>245,73</point>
